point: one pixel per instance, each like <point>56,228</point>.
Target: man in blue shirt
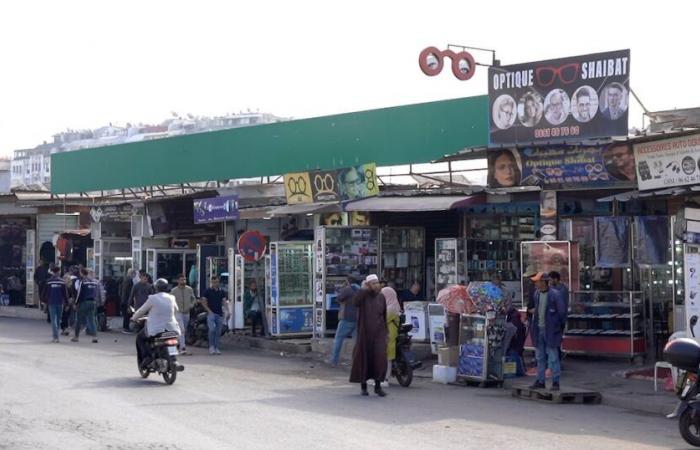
<point>87,294</point>
<point>347,325</point>
<point>213,301</point>
<point>55,294</point>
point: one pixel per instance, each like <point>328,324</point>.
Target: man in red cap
<point>547,316</point>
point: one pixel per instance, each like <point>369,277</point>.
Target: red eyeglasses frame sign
<point>440,55</point>
<point>557,72</point>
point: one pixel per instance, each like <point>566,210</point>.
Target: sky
<point>84,64</point>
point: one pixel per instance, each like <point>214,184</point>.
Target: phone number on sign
<point>557,132</point>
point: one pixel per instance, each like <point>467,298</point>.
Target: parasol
<point>486,296</point>
<point>455,299</point>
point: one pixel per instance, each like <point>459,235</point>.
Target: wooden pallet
<point>566,395</point>
<point>462,381</point>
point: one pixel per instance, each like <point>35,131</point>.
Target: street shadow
<point>151,382</point>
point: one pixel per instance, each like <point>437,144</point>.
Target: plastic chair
<point>666,365</point>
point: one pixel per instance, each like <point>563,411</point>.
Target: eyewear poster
<point>563,167</point>
<point>692,290</point>
<point>332,185</point>
<point>577,97</point>
<point>668,163</point>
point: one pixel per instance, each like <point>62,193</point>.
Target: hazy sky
<point>83,64</point>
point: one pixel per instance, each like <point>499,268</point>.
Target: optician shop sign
<point>215,209</point>
<point>560,99</point>
<point>668,162</point>
<point>331,185</point>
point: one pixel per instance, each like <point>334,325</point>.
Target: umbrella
<point>486,296</point>
<point>455,299</point>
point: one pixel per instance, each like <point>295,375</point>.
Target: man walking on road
<point>141,291</point>
<point>124,294</point>
<point>369,355</point>
<point>185,299</point>
<point>56,296</point>
<point>547,315</point>
<point>347,316</point>
<point>213,301</point>
<point>87,295</point>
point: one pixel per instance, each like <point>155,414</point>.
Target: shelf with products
<point>403,255</point>
<point>449,262</point>
<point>606,323</point>
<point>290,300</point>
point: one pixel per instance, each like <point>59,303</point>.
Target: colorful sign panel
<point>215,209</point>
<point>668,163</point>
<point>563,167</point>
<point>561,99</point>
<point>332,185</point>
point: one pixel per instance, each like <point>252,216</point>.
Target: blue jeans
<point>546,354</point>
<point>214,322</point>
<point>55,313</point>
<point>86,315</point>
<point>346,328</point>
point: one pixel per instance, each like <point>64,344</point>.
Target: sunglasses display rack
<point>403,253</point>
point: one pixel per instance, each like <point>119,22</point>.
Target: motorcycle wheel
<point>143,372</point>
<point>689,427</point>
<point>404,372</point>
<point>171,374</point>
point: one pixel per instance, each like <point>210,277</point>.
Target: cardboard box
<point>444,374</point>
<point>448,356</point>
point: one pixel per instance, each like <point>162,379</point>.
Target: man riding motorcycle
<point>160,308</point>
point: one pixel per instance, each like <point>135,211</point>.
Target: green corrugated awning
<point>390,136</point>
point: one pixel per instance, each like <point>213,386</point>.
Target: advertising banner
<point>668,163</point>
<point>563,167</point>
<point>332,185</point>
<point>296,320</point>
<point>691,264</point>
<point>216,209</point>
<point>577,97</point>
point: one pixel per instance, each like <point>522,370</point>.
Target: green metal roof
<point>390,136</point>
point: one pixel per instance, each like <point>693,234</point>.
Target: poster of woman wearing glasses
<point>582,97</point>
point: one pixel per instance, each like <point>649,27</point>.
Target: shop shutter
<point>50,224</point>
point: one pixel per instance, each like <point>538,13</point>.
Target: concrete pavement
<point>90,396</point>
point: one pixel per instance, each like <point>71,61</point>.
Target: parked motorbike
<point>197,329</point>
<point>162,354</point>
<point>684,354</point>
<point>405,362</point>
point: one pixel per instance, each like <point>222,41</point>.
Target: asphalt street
<point>84,395</point>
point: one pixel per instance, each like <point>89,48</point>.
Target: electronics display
<point>403,256</point>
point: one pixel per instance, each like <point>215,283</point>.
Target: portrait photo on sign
<point>613,101</point>
<point>504,110</point>
<point>352,183</point>
<point>530,108</point>
<point>504,168</point>
<point>556,106</point>
<point>584,104</point>
<point>619,162</point>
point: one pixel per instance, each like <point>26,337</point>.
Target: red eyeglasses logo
<point>546,76</point>
<point>431,62</point>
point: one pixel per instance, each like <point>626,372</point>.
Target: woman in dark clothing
<point>369,355</point>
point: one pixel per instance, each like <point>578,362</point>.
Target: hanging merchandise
<point>612,242</point>
<point>651,240</point>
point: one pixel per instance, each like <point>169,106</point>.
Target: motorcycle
<point>684,354</point>
<point>405,362</point>
<point>162,353</point>
<point>197,328</point>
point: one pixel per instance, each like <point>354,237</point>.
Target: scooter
<point>684,354</point>
<point>405,362</point>
<point>197,329</point>
<point>162,356</point>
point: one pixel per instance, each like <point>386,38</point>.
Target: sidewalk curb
<point>266,344</point>
<point>19,312</point>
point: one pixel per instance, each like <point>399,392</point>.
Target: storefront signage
<point>113,213</point>
<point>252,246</point>
<point>296,320</point>
<point>431,61</point>
<point>668,162</point>
<point>331,185</point>
<point>563,167</point>
<point>561,99</point>
<point>216,209</point>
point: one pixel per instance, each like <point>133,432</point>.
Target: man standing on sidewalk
<point>56,296</point>
<point>547,314</point>
<point>87,295</point>
<point>141,291</point>
<point>185,299</point>
<point>213,301</point>
<point>347,317</point>
<point>124,294</point>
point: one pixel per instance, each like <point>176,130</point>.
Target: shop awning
<point>417,203</point>
<point>256,213</point>
<point>633,195</point>
<point>307,208</point>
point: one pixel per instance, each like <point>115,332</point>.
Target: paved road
<point>90,396</point>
